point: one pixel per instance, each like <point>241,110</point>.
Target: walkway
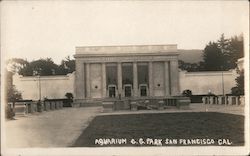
<point>59,128</point>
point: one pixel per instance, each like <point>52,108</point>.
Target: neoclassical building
<point>131,71</point>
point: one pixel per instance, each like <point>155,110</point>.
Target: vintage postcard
<point>124,77</point>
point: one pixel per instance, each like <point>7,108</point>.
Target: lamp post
<point>38,73</point>
<point>39,85</point>
<point>222,80</point>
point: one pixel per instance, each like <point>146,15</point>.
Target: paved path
<point>59,128</point>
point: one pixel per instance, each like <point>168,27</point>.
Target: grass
<point>195,125</point>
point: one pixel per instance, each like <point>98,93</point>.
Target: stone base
<point>147,103</point>
<point>87,102</point>
<point>183,102</point>
<point>108,106</point>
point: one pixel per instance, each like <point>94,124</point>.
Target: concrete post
<point>226,102</point>
<point>220,100</point>
<point>211,101</point>
<point>204,100</point>
<point>242,100</point>
<point>230,100</point>
<point>237,100</point>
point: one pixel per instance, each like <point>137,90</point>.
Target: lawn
<point>175,129</point>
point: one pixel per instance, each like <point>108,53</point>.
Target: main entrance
<point>112,90</point>
<point>128,90</point>
<point>143,90</point>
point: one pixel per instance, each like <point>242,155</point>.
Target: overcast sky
<point>34,29</point>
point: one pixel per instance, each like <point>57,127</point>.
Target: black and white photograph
<point>110,77</point>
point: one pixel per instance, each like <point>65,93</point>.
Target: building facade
<point>126,71</point>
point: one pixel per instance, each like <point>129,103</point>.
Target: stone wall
<point>51,86</point>
<point>201,82</point>
<point>57,86</point>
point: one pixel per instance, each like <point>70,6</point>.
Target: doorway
<point>143,90</point>
<point>112,91</point>
<point>128,90</point>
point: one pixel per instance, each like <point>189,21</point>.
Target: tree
<point>213,59</point>
<point>16,65</point>
<point>223,54</point>
<point>223,45</point>
<point>44,66</point>
<point>239,89</point>
<point>66,66</point>
<point>11,92</point>
<point>190,67</point>
<point>236,50</point>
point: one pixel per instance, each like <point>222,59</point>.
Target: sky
<point>40,29</point>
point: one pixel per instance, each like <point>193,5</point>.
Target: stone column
<point>88,80</point>
<point>211,100</point>
<point>237,100</point>
<point>216,100</point>
<point>150,78</point>
<point>226,103</point>
<point>230,100</point>
<point>119,77</point>
<point>104,94</point>
<point>220,100</point>
<point>79,85</point>
<point>167,87</point>
<point>174,78</point>
<point>135,79</point>
<point>242,100</point>
<point>203,100</point>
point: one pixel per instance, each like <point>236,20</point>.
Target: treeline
<point>43,67</point>
<point>218,55</point>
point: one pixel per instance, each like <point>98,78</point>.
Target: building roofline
<point>130,45</point>
<point>126,54</point>
<point>125,49</point>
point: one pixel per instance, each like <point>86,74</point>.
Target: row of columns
<point>171,78</point>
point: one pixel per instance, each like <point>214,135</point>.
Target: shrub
<point>9,112</point>
<point>187,93</point>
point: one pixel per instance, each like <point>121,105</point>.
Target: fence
<point>223,100</point>
<point>24,107</point>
